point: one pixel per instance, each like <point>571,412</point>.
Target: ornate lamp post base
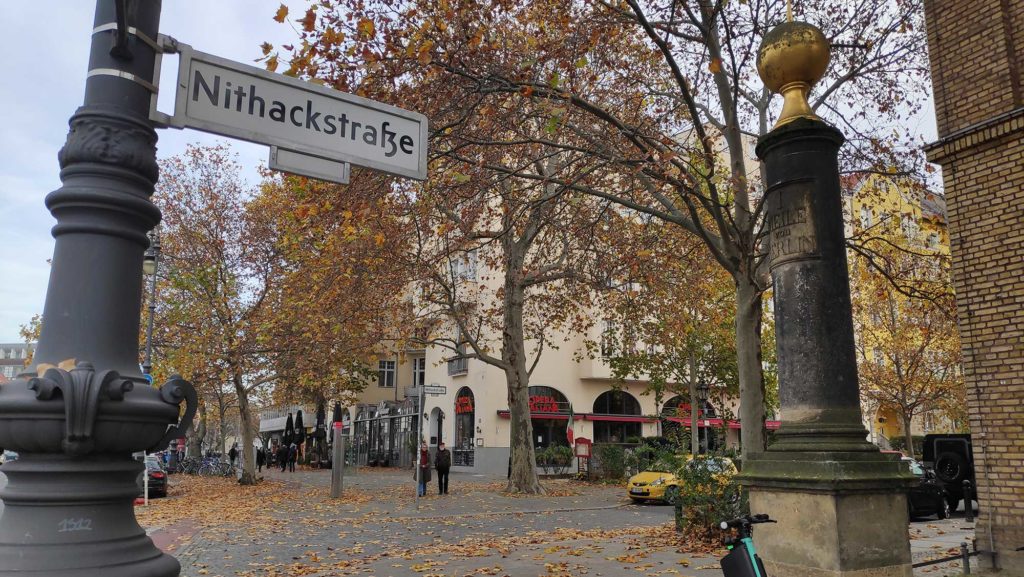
<point>73,517</point>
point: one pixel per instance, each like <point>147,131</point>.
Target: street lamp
<point>79,412</point>
<point>150,266</point>
<point>702,398</point>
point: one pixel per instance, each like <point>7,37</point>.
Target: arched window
<point>615,419</point>
<point>465,428</point>
<point>616,403</point>
<point>550,409</point>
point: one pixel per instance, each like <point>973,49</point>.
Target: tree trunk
<point>222,429</point>
<point>245,424</point>
<point>694,407</point>
<point>748,358</point>
<point>195,442</point>
<point>523,477</point>
<point>908,437</point>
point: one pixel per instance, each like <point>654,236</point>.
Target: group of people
<point>442,463</point>
<point>287,456</point>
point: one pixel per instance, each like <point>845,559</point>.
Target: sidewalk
<point>288,526</point>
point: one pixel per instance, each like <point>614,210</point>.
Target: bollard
<point>679,516</point>
<point>968,502</point>
<point>338,463</point>
<point>966,558</point>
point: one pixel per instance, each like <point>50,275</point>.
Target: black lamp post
<point>77,415</point>
<point>702,398</point>
<point>150,266</point>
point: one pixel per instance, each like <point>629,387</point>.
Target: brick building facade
<point>977,51</point>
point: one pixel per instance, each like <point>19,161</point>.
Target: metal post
<point>338,467</point>
<point>154,253</point>
<point>966,556</point>
<point>419,441</point>
<point>79,413</point>
<point>968,505</point>
<point>145,481</point>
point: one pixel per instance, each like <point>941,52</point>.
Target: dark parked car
<point>927,496</point>
<point>157,479</point>
<point>951,456</point>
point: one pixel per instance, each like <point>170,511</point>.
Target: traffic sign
<point>241,101</point>
<point>435,389</point>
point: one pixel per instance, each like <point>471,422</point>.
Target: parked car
<point>6,456</point>
<point>951,456</point>
<point>927,496</point>
<point>664,486</point>
<point>157,478</point>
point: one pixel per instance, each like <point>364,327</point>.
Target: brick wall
<point>976,50</point>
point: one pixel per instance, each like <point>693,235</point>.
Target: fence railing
<point>964,557</point>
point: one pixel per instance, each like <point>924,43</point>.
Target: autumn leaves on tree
<point>580,153</point>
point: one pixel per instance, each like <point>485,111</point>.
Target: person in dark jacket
<point>293,456</point>
<point>233,454</point>
<point>282,457</point>
<point>424,470</point>
<point>442,462</point>
<point>261,458</point>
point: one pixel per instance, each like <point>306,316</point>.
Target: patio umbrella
<point>321,418</point>
<point>300,430</point>
<point>289,431</point>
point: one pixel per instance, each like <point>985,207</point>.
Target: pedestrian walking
<point>261,458</point>
<point>424,470</point>
<point>442,462</point>
<point>233,454</point>
<point>282,457</point>
<point>293,456</point>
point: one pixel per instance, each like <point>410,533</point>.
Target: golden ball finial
<point>793,57</point>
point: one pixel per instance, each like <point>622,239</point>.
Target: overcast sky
<point>46,49</point>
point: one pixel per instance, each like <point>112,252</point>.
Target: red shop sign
<point>543,404</point>
<point>463,405</point>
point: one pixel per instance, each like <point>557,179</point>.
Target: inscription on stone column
<point>790,223</point>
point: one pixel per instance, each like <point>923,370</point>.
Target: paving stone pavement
<point>475,530</point>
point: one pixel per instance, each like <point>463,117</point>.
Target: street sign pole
<point>419,443</point>
<point>338,466</point>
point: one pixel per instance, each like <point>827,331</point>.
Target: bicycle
<point>742,559</point>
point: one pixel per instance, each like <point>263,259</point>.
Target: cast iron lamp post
<point>702,399</point>
<point>150,266</point>
<point>77,415</point>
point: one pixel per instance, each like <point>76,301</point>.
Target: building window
<point>609,333</point>
<point>618,424</point>
<point>465,428</point>
<point>865,217</point>
<point>464,266</point>
<point>909,226</point>
<point>460,364</point>
<point>386,374</point>
<point>419,370</point>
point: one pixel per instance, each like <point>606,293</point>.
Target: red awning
<point>620,418</point>
<point>554,416</point>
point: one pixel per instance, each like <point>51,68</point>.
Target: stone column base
<point>823,534</point>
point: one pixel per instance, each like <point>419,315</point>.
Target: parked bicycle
<point>742,560</point>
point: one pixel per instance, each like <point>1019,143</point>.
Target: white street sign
<point>308,165</point>
<point>241,101</point>
<point>435,389</point>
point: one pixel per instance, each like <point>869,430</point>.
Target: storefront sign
<point>463,405</point>
<point>543,404</point>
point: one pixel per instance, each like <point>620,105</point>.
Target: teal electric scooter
<point>742,560</point>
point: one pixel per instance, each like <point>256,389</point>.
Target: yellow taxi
<point>663,486</point>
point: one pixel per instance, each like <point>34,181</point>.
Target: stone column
<point>840,504</point>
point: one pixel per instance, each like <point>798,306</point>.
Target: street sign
<point>435,389</point>
<point>241,101</point>
<point>308,165</point>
